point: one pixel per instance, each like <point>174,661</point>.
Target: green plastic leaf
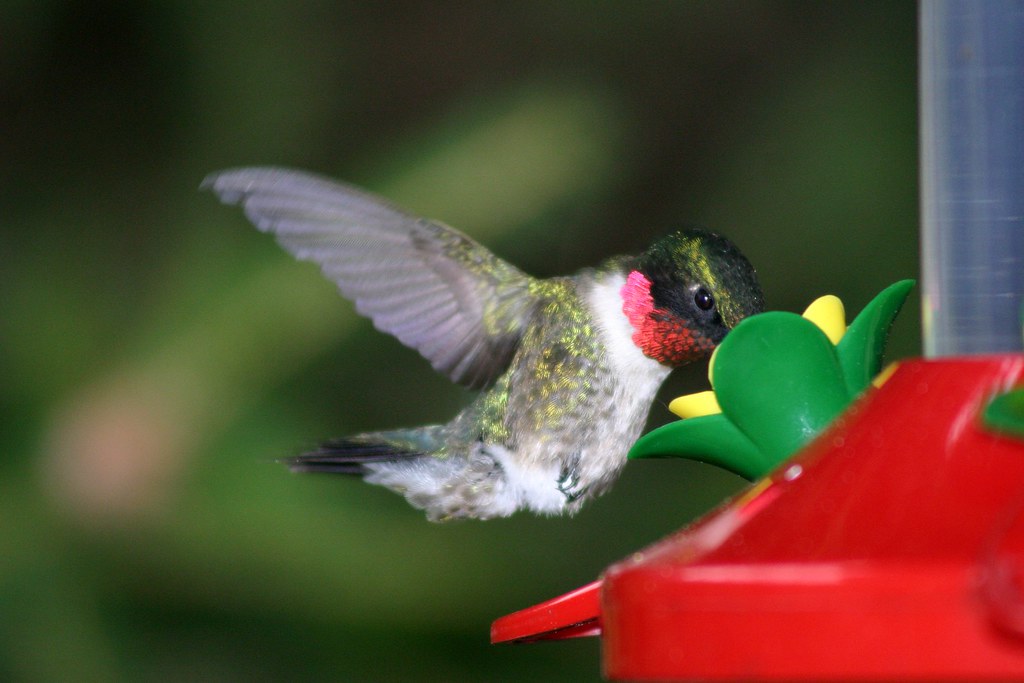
<point>778,379</point>
<point>860,350</point>
<point>710,438</point>
<point>1005,414</point>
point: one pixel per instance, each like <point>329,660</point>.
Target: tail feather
<point>349,455</point>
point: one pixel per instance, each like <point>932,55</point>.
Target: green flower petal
<point>860,350</point>
<point>778,379</point>
<point>1005,414</point>
<point>710,438</point>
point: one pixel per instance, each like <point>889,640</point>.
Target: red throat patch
<point>637,302</point>
<point>658,333</point>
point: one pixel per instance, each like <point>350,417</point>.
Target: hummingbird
<point>567,367</point>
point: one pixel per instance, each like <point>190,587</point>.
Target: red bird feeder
<point>891,547</point>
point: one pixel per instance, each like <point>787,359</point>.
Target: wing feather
<point>429,285</point>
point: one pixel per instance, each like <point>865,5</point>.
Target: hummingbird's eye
<point>703,299</point>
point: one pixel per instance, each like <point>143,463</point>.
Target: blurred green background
<point>158,354</point>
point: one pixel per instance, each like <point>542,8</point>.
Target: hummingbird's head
<point>685,293</point>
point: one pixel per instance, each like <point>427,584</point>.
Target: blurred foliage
<point>158,354</point>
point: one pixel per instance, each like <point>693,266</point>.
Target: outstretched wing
<point>429,285</point>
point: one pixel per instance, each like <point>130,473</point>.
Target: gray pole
<point>972,175</point>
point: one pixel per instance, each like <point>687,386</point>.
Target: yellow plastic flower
<point>827,312</point>
<point>695,405</point>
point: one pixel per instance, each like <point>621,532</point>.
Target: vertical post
<point>972,175</point>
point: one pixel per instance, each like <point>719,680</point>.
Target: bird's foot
<point>568,483</point>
